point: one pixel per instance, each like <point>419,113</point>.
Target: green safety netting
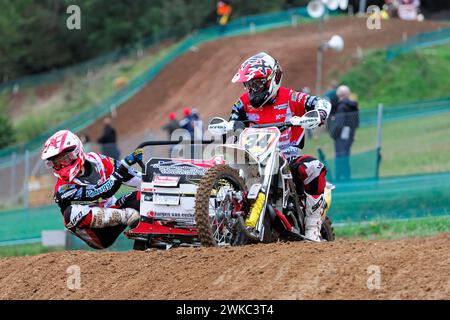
<point>422,40</point>
<point>399,197</point>
<point>23,224</point>
<point>359,166</point>
<point>407,111</point>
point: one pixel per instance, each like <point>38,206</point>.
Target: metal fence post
<point>379,131</point>
<point>294,21</point>
<point>26,178</point>
<point>13,175</point>
<point>252,27</point>
<point>362,7</point>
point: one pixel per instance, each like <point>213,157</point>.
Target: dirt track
<point>203,79</point>
<point>410,269</point>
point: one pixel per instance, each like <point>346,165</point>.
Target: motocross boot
<point>109,217</point>
<point>313,219</point>
<point>252,234</point>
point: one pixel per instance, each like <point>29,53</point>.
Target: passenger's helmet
<point>261,75</point>
<point>64,153</point>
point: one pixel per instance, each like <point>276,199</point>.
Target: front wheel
<point>220,195</point>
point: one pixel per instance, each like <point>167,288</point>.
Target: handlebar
<point>171,142</point>
<point>268,125</point>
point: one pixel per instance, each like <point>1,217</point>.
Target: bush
<point>7,135</point>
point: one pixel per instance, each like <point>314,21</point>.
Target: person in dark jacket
<point>342,127</point>
<point>171,125</point>
<point>187,122</point>
<point>108,140</point>
<point>331,96</point>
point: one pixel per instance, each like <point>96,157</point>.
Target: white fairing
<point>169,203</point>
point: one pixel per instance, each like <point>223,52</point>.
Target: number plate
<point>258,141</point>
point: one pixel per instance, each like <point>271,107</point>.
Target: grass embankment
<point>43,107</point>
<point>419,75</point>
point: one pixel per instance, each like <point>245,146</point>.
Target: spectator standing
<point>187,123</point>
<point>108,140</point>
<point>331,96</point>
<point>223,14</point>
<point>170,127</point>
<point>342,127</point>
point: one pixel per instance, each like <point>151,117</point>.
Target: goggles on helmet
<point>62,160</point>
<point>255,85</point>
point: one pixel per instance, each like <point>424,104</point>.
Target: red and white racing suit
<point>89,207</point>
<point>308,172</point>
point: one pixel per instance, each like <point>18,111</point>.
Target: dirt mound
<point>410,269</point>
<point>203,79</point>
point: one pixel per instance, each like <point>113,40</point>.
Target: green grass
<point>75,94</point>
<point>420,75</point>
<point>26,250</point>
<point>394,229</point>
<point>412,146</point>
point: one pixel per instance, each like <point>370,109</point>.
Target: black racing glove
<point>134,157</point>
<point>122,173</point>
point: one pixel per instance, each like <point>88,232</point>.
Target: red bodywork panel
<point>158,229</point>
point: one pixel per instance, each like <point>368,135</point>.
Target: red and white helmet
<point>261,75</point>
<point>64,153</point>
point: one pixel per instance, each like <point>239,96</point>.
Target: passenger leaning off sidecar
<point>265,101</point>
<point>86,186</point>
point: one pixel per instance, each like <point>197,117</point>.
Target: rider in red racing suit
<point>266,102</point>
<point>86,186</point>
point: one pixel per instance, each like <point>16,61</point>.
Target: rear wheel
<point>219,196</point>
<point>327,231</point>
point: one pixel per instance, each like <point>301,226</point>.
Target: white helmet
<point>64,153</point>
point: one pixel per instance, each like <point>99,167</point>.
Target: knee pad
<point>311,172</point>
<point>77,216</point>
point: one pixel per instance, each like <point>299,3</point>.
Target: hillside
<point>202,78</point>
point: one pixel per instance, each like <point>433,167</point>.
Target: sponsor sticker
<point>281,106</point>
<point>165,181</point>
